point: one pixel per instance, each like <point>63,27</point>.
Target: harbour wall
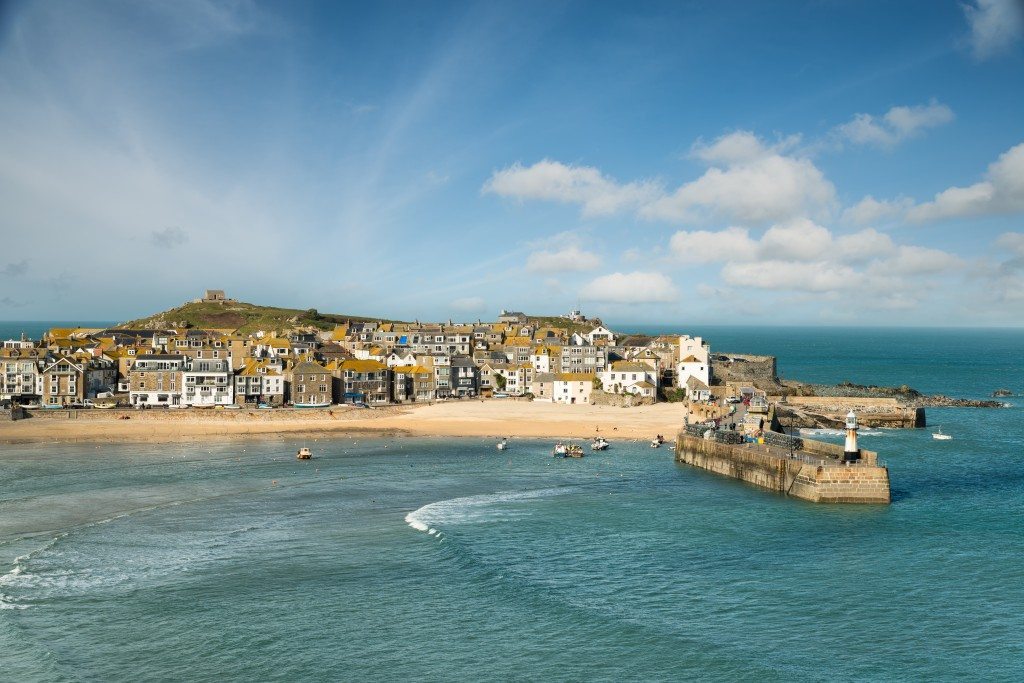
<point>827,481</point>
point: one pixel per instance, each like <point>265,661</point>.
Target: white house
<point>601,334</point>
<point>208,382</point>
<point>573,387</point>
<point>544,359</point>
<point>694,361</point>
<point>696,390</point>
<point>626,377</point>
<point>400,359</point>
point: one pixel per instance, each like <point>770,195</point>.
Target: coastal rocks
<point>940,401</point>
<point>833,417</point>
<point>908,396</point>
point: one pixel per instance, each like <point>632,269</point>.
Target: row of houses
<point>375,363</point>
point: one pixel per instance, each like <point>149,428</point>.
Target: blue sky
<point>825,162</point>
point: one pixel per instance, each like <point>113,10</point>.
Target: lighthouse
<point>850,451</point>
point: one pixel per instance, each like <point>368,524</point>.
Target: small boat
<point>655,443</point>
<point>574,451</point>
<point>105,406</point>
<point>304,453</point>
<point>599,444</point>
<point>503,444</point>
<point>560,450</point>
<point>311,405</point>
<point>938,435</point>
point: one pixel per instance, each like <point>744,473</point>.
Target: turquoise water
<point>431,559</point>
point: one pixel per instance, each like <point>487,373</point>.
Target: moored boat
<point>574,451</point>
<point>560,450</point>
<point>503,444</point>
<point>938,435</point>
<point>304,453</point>
<point>599,444</point>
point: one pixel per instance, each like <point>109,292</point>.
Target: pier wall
<point>828,481</point>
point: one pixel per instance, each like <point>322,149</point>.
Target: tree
<point>499,381</point>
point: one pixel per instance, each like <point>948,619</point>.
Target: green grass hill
<point>240,316</point>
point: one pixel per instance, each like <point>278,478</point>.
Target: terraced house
<point>208,382</point>
<point>365,381</point>
<point>412,383</point>
<point>20,376</point>
<point>311,385</point>
<point>156,379</point>
<point>259,381</point>
<point>71,379</point>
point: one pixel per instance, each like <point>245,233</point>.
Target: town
<point>570,360</point>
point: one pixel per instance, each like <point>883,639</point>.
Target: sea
<point>430,559</point>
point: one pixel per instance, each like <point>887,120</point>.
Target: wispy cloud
<point>995,25</point>
<point>169,237</point>
<point>895,126</point>
<point>15,269</point>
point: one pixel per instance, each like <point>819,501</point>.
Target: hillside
<point>241,316</point>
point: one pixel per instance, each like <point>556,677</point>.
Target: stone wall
<point>831,482</point>
<point>11,414</point>
<point>745,369</point>
<point>604,398</point>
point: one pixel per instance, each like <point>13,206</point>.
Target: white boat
<point>304,453</point>
<point>559,451</point>
<point>599,444</point>
<point>938,435</point>
<point>311,405</point>
<point>655,443</point>
<point>503,444</point>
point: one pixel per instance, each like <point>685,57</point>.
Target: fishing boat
<point>938,435</point>
<point>503,444</point>
<point>312,405</point>
<point>304,453</point>
<point>599,444</point>
<point>655,443</point>
<point>560,450</point>
<point>574,450</point>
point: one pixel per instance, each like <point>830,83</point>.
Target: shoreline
<point>486,420</point>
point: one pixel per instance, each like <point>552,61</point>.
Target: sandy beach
<point>454,418</point>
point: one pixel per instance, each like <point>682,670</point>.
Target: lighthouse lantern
<point>851,452</point>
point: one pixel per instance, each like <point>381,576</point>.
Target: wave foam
<point>472,509</point>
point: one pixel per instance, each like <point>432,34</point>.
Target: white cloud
<point>631,288</point>
<point>914,260</point>
<point>808,259</point>
<point>817,276</point>
<point>995,25</point>
<point>864,245</point>
<point>569,258</point>
<point>1002,191</point>
<point>704,246</point>
<point>584,185</point>
<point>469,304</point>
<point>748,182</point>
<point>739,147</point>
<point>898,124</point>
<point>1012,242</point>
<point>871,210</point>
<point>800,240</point>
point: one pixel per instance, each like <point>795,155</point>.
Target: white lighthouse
<point>850,451</point>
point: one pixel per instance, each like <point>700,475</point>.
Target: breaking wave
<point>489,507</point>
